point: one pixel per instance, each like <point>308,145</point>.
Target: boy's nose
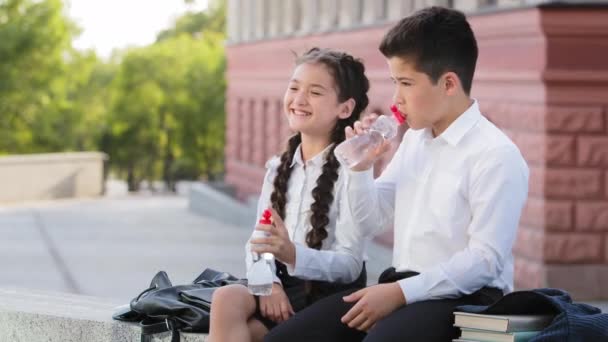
<point>396,98</point>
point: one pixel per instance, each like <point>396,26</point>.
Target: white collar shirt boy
<point>341,256</point>
<point>455,203</point>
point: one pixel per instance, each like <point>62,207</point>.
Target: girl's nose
<point>299,98</point>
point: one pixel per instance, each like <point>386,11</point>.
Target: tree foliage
<point>158,110</point>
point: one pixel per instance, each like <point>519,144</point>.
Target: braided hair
<point>349,76</point>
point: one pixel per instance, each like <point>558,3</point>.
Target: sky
<point>110,24</point>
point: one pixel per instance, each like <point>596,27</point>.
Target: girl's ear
<point>346,108</point>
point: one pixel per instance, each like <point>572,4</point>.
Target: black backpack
<point>163,307</point>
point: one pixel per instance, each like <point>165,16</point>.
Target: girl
<point>317,247</point>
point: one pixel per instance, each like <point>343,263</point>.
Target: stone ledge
<point>32,316</point>
<point>209,202</point>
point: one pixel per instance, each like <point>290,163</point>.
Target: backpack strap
<point>147,330</point>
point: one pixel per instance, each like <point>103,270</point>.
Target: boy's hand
<point>276,307</point>
<point>359,128</point>
<point>278,241</point>
<point>373,304</point>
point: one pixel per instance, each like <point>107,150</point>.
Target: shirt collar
<point>317,160</point>
<point>461,126</point>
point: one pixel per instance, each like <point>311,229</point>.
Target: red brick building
<point>542,77</point>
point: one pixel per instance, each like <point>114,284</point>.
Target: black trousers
<point>427,321</point>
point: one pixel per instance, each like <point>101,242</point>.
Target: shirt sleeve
<point>263,204</point>
<point>372,203</point>
<point>497,192</point>
<point>343,261</point>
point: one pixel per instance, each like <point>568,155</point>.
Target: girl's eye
<point>316,93</point>
<point>293,88</point>
<point>406,83</point>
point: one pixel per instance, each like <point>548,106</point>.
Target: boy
<point>454,192</point>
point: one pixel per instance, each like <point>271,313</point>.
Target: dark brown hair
<point>350,80</point>
<point>437,40</point>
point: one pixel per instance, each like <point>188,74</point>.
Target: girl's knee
<point>233,297</point>
<point>229,293</point>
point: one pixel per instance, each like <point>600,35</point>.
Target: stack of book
<point>499,328</point>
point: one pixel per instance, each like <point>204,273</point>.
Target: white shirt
<point>455,201</point>
<point>341,256</point>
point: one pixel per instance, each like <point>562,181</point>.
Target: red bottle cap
<point>266,215</point>
<point>397,114</point>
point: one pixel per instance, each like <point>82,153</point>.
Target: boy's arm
<point>498,191</point>
<point>372,202</point>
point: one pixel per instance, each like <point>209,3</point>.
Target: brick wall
<point>541,78</point>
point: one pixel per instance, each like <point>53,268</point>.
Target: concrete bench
<point>51,175</point>
<point>36,316</point>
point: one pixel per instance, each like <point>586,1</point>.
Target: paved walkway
<point>111,247</point>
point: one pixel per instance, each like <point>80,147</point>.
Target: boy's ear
<point>346,108</point>
<point>451,83</point>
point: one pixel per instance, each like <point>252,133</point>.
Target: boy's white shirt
<point>341,256</point>
<point>455,201</point>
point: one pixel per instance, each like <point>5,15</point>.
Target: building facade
<point>542,77</point>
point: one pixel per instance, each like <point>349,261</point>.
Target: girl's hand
<point>276,307</point>
<point>278,241</point>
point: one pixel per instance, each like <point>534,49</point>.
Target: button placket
<point>430,160</point>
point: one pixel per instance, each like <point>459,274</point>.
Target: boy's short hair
<point>436,40</point>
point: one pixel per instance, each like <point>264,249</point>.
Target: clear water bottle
<point>259,276</point>
<point>351,151</point>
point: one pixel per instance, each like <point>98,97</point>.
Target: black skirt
<point>302,293</point>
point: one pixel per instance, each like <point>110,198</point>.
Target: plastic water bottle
<point>351,151</point>
<point>259,276</point>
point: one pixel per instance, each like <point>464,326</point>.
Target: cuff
<point>414,289</point>
<point>361,179</point>
<point>302,257</point>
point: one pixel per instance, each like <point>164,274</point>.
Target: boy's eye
<point>406,83</point>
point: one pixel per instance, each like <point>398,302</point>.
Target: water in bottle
<point>352,151</point>
<point>259,276</point>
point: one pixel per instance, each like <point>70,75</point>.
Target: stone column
<point>509,3</point>
<point>232,129</point>
<point>398,9</point>
<point>247,20</point>
<point>328,15</point>
<point>261,19</point>
<point>289,16</point>
<point>245,131</point>
<point>274,115</point>
<point>371,11</point>
<point>275,17</point>
<point>309,18</point>
<point>258,133</point>
<point>466,5</point>
<point>233,19</point>
<point>349,13</point>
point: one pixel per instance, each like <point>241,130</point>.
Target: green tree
<point>167,115</point>
<point>34,36</point>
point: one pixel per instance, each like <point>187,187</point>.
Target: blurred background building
<point>542,76</point>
